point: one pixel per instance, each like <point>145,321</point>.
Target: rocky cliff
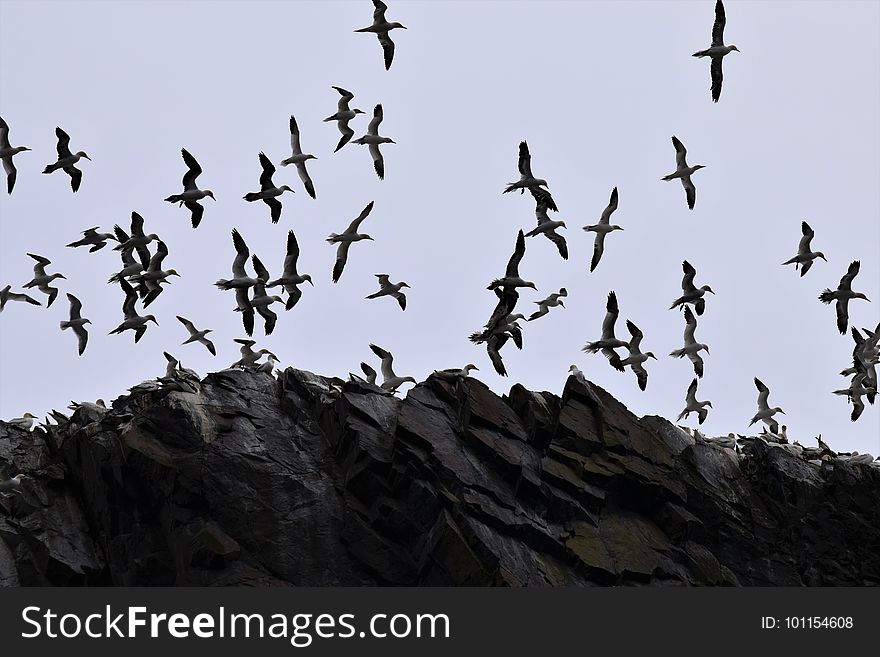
<point>298,480</point>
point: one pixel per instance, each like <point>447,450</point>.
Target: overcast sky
<point>597,89</point>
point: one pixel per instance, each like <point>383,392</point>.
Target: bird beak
<point>562,304</point>
<point>781,411</point>
<point>62,276</point>
<point>707,351</point>
<point>87,157</point>
<point>310,282</point>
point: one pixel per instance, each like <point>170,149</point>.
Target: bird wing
<point>697,360</point>
<point>188,324</point>
<point>559,241</point>
<point>717,76</point>
<point>354,225</point>
<point>637,336</point>
<point>687,282</point>
<point>804,244</point>
<point>40,267</point>
<point>82,337</point>
<point>718,27</point>
<point>292,254</point>
<point>189,178</point>
<point>269,318</point>
<point>131,298</point>
<point>260,268</point>
<point>345,97</point>
<point>842,315</point>
<point>525,160</point>
<point>763,395</point>
<point>401,299</point>
<point>155,263</point>
<point>690,191</point>
<point>294,137</point>
<point>518,253</point>
<point>137,225</point>
<point>4,134</point>
<point>241,255</point>
<point>11,172</point>
<point>493,347</point>
<point>692,393</point>
<point>75,176</point>
<point>598,250</point>
<point>268,171</point>
<point>608,211</point>
<point>75,306</point>
<point>63,143</point>
<point>373,128</point>
<point>341,259</point>
<point>378,161</point>
<point>543,197</point>
<point>851,272</point>
<point>387,361</point>
<point>197,210</point>
<point>387,48</point>
<point>274,208</point>
<point>641,374</point>
<point>680,152</point>
<point>690,327</point>
<point>306,179</point>
<point>612,311</point>
<point>384,281</point>
<point>369,371</point>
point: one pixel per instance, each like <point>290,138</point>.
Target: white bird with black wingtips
<point>636,359</point>
<point>694,406</point>
<point>191,194</point>
<point>390,381</point>
<point>343,115</point>
<point>345,239</point>
<point>690,293</point>
<point>804,258</point>
<point>67,160</point>
<point>196,335</point>
<point>77,322</point>
<point>290,279</point>
<point>7,151</point>
<point>41,279</point>
<point>765,413</point>
<point>684,172</point>
<point>691,348</point>
<point>373,139</point>
<point>299,159</point>
<point>268,190</point>
<point>602,229</point>
<point>387,288</point>
<point>381,27</point>
<point>842,295</point>
<point>717,50</point>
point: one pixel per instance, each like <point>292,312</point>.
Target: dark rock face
<point>296,480</point>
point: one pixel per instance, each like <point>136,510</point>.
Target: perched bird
<point>544,305</point>
<point>373,139</point>
<point>381,28</point>
<point>547,227</point>
<point>290,279</point>
<point>249,357</point>
<point>41,280</point>
<point>765,413</point>
<point>387,288</point>
<point>691,347</point>
<point>195,335</point>
<point>268,366</point>
<point>6,295</point>
<point>805,257</point>
<point>511,275</point>
<point>345,239</point>
<point>608,342</point>
<point>6,153</point>
<point>694,406</point>
<point>390,381</point>
<point>77,322</point>
<point>154,275</point>
<point>692,295</point>
<point>67,160</point>
<point>268,191</point>
<point>454,375</point>
<point>858,387</point>
<point>842,295</point>
<point>92,238</point>
<point>602,229</point>
<point>343,116</point>
<point>132,321</point>
<point>683,171</point>
<point>636,358</point>
<point>191,194</point>
<point>10,485</point>
<point>261,300</point>
<point>138,240</point>
<point>298,158</point>
<point>241,282</point>
<point>528,181</point>
<point>717,50</point>
<point>24,422</point>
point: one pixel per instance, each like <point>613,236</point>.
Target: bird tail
<point>678,353</point>
<point>510,187</point>
<point>494,284</point>
<point>669,177</point>
<point>332,238</point>
<point>74,244</point>
<point>50,168</point>
<point>827,296</point>
<point>590,348</point>
<point>251,196</point>
<point>791,261</point>
<point>174,198</point>
<point>64,325</point>
<point>681,415</point>
<point>223,284</point>
<point>700,53</point>
<point>477,338</point>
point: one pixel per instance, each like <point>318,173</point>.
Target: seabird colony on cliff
<point>142,276</point>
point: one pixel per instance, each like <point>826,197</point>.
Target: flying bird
<point>132,321</point>
<point>691,347</point>
<point>77,322</point>
<point>298,158</point>
<point>130,265</point>
<point>191,194</point>
<point>544,305</point>
<point>290,279</point>
<point>501,327</point>
<point>345,239</point>
<point>67,160</point>
<point>268,191</point>
<point>390,381</point>
<point>92,238</point>
<point>765,413</point>
<point>694,406</point>
<point>261,300</point>
<point>511,275</point>
<point>241,282</point>
<point>528,181</point>
<point>717,50</point>
<point>138,240</point>
<point>636,358</point>
<point>41,279</point>
<point>154,275</point>
<point>691,294</point>
<point>195,335</point>
<point>373,139</point>
<point>602,229</point>
<point>6,154</point>
<point>608,342</point>
<point>7,295</point>
<point>805,256</point>
<point>858,388</point>
<point>343,116</point>
<point>387,288</point>
<point>842,295</point>
<point>381,28</point>
<point>547,227</point>
<point>683,171</point>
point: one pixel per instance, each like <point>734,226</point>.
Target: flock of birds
<point>142,275</point>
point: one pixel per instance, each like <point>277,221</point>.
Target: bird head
<point>403,284</point>
<point>615,227</point>
<point>286,188</point>
<point>650,354</point>
<point>562,224</point>
<point>470,366</point>
<point>277,298</point>
<point>706,288</point>
<point>173,272</point>
<point>87,321</point>
<point>153,236</point>
<point>819,254</point>
<point>410,379</point>
<point>21,149</point>
<point>311,157</point>
<point>778,410</point>
<point>308,278</point>
<point>573,369</point>
<point>393,25</point>
<point>707,403</point>
<point>83,154</point>
<point>27,414</point>
<point>699,166</point>
<point>357,111</point>
<point>562,304</point>
<point>391,141</point>
<point>541,181</point>
<point>364,236</point>
<point>59,276</point>
<point>705,346</point>
<point>860,295</point>
<point>208,192</point>
<point>512,318</point>
<point>735,48</point>
<point>152,318</point>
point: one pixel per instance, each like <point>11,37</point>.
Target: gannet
<point>67,160</point>
<point>865,358</point>
<point>501,327</point>
<point>511,275</point>
<point>691,347</point>
<point>842,295</point>
<point>527,180</point>
<point>249,357</point>
<point>694,406</point>
<point>381,28</point>
<point>130,265</point>
<point>25,422</point>
<point>373,139</point>
<point>133,321</point>
<point>268,191</point>
<point>299,158</point>
<point>6,154</point>
<point>602,229</point>
<point>455,375</point>
<point>13,484</point>
<point>608,342</point>
<point>387,288</point>
<point>91,237</point>
<point>390,381</point>
<point>98,407</point>
<point>346,238</point>
<point>544,305</point>
<point>6,295</point>
<point>268,366</point>
<point>343,116</point>
<point>547,227</point>
<point>138,240</point>
<point>261,300</point>
<point>765,413</point>
<point>804,258</point>
<point>858,388</point>
<point>195,335</point>
<point>154,275</point>
<point>290,279</point>
<point>77,322</point>
<point>577,374</point>
<point>684,172</point>
<point>369,372</point>
<point>636,358</point>
<point>240,278</point>
<point>191,193</point>
<point>692,294</point>
<point>41,280</point>
<point>717,51</point>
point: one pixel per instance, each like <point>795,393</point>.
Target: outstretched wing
<point>518,253</point>
<point>193,171</point>
<point>718,27</point>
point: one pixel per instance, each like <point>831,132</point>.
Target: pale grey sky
<point>597,89</point>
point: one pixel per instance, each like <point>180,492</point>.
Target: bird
<point>511,275</point>
<point>636,358</point>
<point>387,288</point>
<point>138,240</point>
<point>390,381</point>
<point>130,265</point>
<point>154,275</point>
<point>268,366</point>
<point>41,280</point>
<point>8,486</point>
<point>691,347</point>
<point>298,158</point>
<point>528,181</point>
<point>7,295</point>
<point>381,28</point>
<point>683,171</point>
<point>544,305</point>
<point>805,257</point>
<point>241,282</point>
<point>602,229</point>
<point>6,154</point>
<point>717,50</point>
<point>455,375</point>
<point>77,322</point>
<point>345,239</point>
<point>842,295</point>
<point>132,321</point>
<point>692,295</point>
<point>369,372</point>
<point>373,139</point>
<point>858,387</point>
<point>608,342</point>
<point>547,227</point>
<point>765,413</point>
<point>261,300</point>
<point>249,357</point>
<point>195,335</point>
<point>268,191</point>
<point>92,238</point>
<point>67,160</point>
<point>290,279</point>
<point>343,115</point>
<point>694,406</point>
<point>501,327</point>
<point>25,422</point>
<point>865,357</point>
<point>191,194</point>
